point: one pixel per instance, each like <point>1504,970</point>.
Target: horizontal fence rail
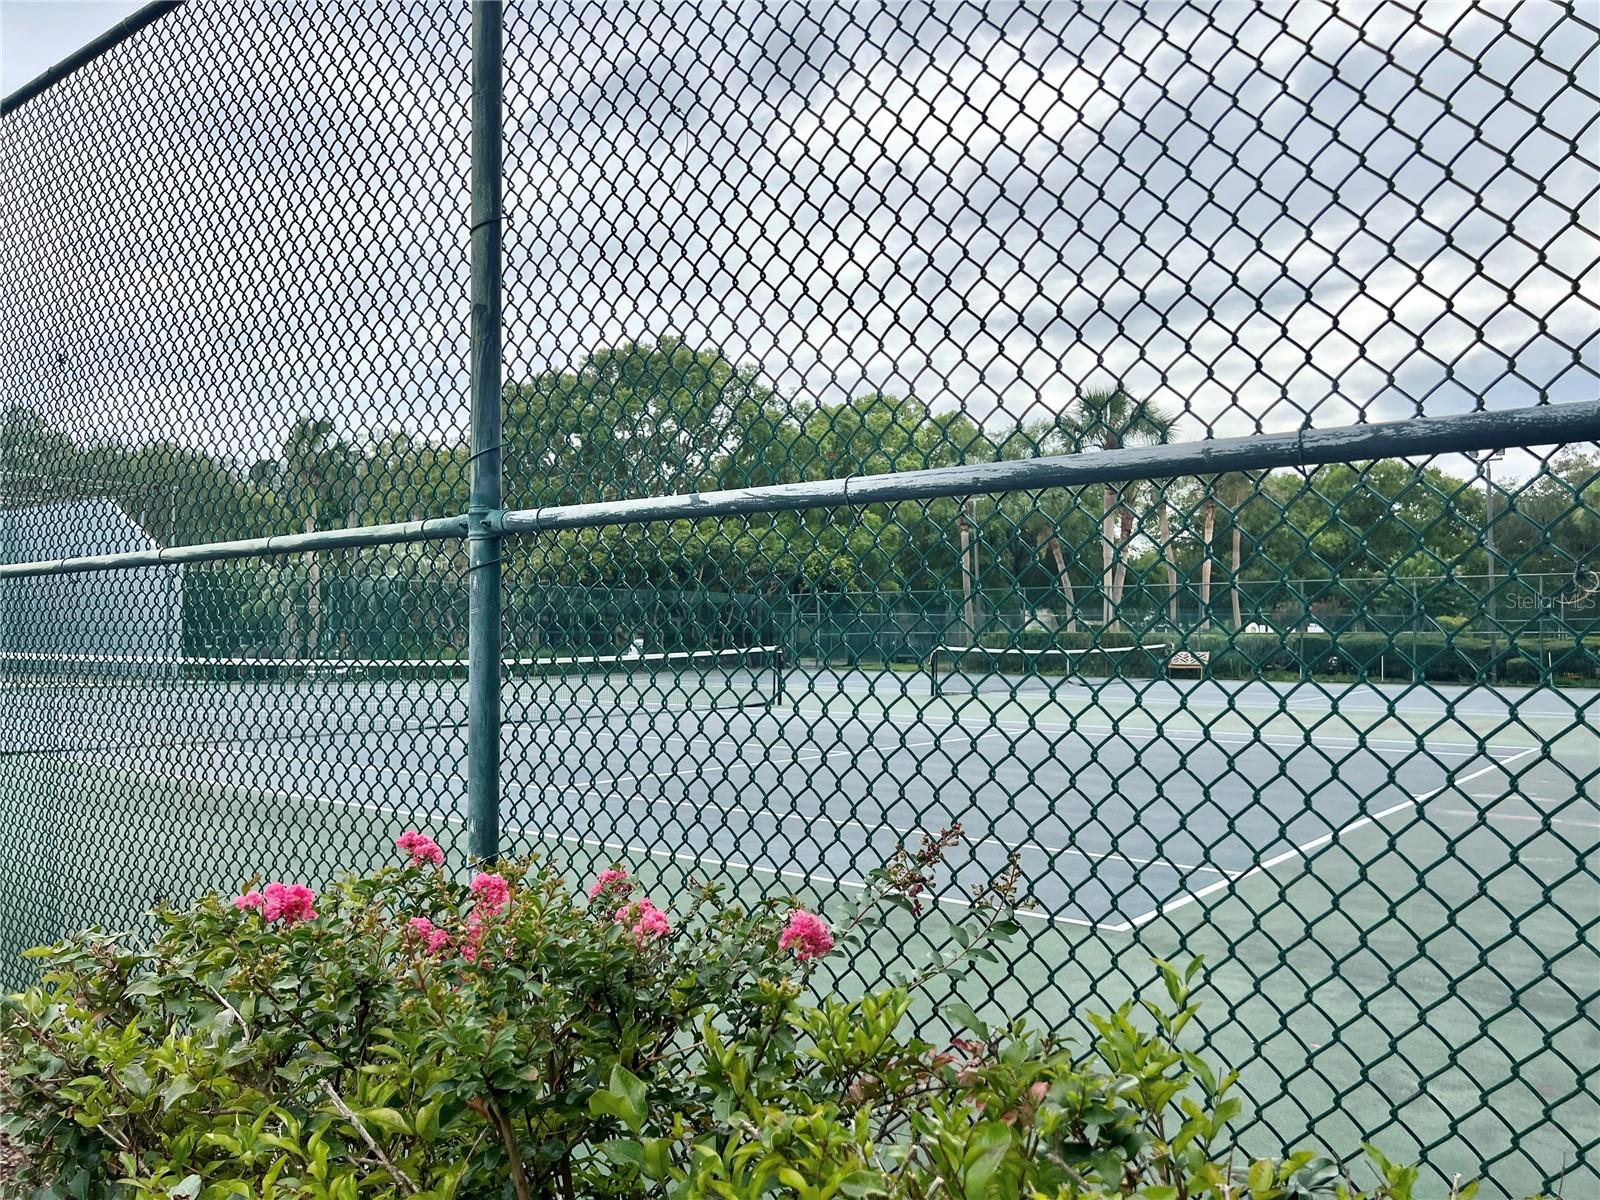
<point>1569,422</point>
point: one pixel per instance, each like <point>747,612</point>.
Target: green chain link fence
<point>732,440</point>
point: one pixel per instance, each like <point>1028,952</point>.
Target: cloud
<point>1258,217</point>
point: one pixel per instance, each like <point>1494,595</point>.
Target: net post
<point>487,496</point>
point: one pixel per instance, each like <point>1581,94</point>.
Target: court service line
<point>856,823</point>
<point>1302,850</point>
<point>281,794</point>
<point>698,859</point>
<point>1519,701</point>
<point>776,872</point>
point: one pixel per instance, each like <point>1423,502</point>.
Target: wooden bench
<point>1186,660</point>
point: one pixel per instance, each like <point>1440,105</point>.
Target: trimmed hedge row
<point>1437,657</point>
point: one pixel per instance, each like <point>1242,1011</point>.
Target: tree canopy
<point>660,416</point>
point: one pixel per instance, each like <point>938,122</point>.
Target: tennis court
<point>1274,828</point>
<point>1122,801</point>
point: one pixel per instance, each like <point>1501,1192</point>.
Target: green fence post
<point>487,497</point>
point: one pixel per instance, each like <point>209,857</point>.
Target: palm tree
<point>1164,519</point>
<point>1234,491</point>
<point>1111,420</point>
<point>1231,490</point>
<point>1049,537</point>
<point>315,461</point>
<point>1208,531</point>
<point>1057,435</point>
<point>969,561</point>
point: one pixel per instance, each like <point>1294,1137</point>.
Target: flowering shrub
<point>286,902</point>
<point>421,848</point>
<point>403,1035</point>
<point>807,934</point>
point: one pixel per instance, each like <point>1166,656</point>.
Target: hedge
<point>1436,657</point>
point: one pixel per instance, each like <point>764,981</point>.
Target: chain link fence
<point>1160,440</point>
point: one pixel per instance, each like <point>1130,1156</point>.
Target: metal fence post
<point>483,537</point>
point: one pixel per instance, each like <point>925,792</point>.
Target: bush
<point>407,1035</point>
<point>1439,657</point>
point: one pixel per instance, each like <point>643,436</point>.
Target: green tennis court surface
<point>1276,829</point>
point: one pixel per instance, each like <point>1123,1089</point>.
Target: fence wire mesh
<point>1331,727</point>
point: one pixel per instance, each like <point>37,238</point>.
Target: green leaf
<point>962,1015</point>
<point>428,1118</point>
<point>624,1151</point>
<point>387,1119</point>
<point>862,1182</point>
<point>624,1099</point>
<point>176,1090</point>
<point>986,1151</point>
<point>187,1190</point>
<point>658,1158</point>
<point>1260,1177</point>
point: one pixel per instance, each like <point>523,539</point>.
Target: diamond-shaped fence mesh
<point>1253,615</point>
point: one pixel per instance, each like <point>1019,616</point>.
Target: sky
<point>1308,215</point>
<point>37,34</point>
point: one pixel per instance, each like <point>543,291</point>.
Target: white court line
<point>1321,695</point>
<point>656,852</point>
<point>1228,880</point>
<point>628,732</point>
<point>852,822</point>
<point>803,876</point>
<point>697,771</point>
<point>276,793</point>
<point>1548,801</point>
<point>1305,848</point>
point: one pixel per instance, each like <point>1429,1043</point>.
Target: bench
<point>1186,660</point>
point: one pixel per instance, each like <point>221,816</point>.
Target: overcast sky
<point>37,34</point>
<point>1261,219</point>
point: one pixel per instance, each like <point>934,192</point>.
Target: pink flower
<point>644,920</point>
<point>251,899</point>
<point>472,944</point>
<point>807,933</point>
<point>491,896</point>
<point>421,848</point>
<point>433,938</point>
<point>288,902</point>
<point>493,893</point>
<point>615,879</point>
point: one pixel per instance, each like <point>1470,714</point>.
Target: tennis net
<point>55,701</point>
<point>978,662</point>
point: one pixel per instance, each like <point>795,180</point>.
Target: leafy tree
<point>642,418</point>
<point>1111,420</point>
